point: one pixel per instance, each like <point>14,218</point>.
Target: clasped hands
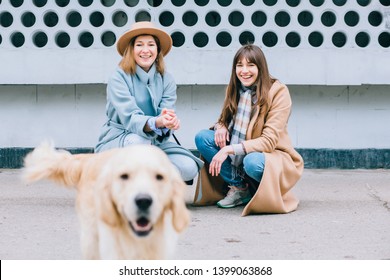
<point>168,119</point>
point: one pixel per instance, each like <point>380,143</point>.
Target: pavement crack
<point>374,194</point>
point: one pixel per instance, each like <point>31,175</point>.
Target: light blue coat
<point>131,101</point>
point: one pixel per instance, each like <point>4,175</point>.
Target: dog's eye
<point>159,177</point>
<point>124,176</point>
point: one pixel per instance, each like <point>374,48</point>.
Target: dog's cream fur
<point>130,201</point>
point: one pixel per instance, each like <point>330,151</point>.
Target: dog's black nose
<point>143,201</point>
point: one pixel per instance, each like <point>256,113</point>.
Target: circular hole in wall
<point>293,3</point>
<point>282,19</point>
<point>384,39</point>
<point>62,3</point>
<point>190,18</point>
<point>317,3</point>
<point>40,39</point>
<point>28,19</point>
<point>385,2</point>
<point>62,39</point>
<point>96,19</point>
<point>362,39</point>
<point>224,39</point>
<point>154,3</point>
<point>270,2</point>
<point>351,18</point>
<point>200,39</point>
<point>247,2</point>
<point>293,39</point>
<point>73,18</point>
<point>119,18</point>
<point>178,3</point>
<point>259,18</point>
<point>224,3</point>
<point>50,19</point>
<point>236,18</point>
<point>108,38</point>
<point>6,19</point>
<point>166,18</point>
<point>246,37</point>
<point>85,3</point>
<point>142,16</point>
<point>316,39</point>
<point>363,2</point>
<point>131,3</point>
<point>213,18</point>
<point>86,39</point>
<point>16,3</point>
<point>1,39</point>
<point>39,3</point>
<point>305,18</point>
<point>375,18</point>
<point>328,18</point>
<point>178,39</point>
<point>270,39</point>
<point>339,39</point>
<point>108,3</point>
<point>339,2</point>
<point>17,39</point>
<point>201,2</point>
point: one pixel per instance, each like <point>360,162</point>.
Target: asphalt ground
<point>342,215</point>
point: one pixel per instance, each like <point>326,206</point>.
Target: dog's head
<point>137,185</point>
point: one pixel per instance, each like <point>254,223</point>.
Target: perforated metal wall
<point>75,27</point>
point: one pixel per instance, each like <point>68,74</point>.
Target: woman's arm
<point>275,121</point>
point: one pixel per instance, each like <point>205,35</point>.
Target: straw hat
<point>144,28</point>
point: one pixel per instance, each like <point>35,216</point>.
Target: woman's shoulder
<point>119,74</point>
<point>278,86</point>
<point>167,78</point>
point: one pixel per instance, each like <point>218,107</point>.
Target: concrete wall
<point>332,117</point>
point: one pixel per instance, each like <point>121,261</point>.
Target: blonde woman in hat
<point>141,98</point>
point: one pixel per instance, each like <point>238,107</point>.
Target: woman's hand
<point>221,135</point>
<point>168,119</point>
<point>218,159</point>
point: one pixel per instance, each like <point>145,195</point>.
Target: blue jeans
<point>253,163</point>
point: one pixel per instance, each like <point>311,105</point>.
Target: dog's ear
<point>105,205</point>
<point>180,213</point>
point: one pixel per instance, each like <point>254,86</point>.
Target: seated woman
<point>250,145</point>
<point>141,98</point>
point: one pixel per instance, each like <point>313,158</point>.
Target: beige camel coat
<point>267,133</point>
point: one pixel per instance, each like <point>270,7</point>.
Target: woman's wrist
<point>218,126</point>
<point>228,149</point>
<point>159,122</point>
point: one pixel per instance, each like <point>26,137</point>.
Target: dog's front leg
<point>109,242</point>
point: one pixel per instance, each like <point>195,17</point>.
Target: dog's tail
<point>45,162</point>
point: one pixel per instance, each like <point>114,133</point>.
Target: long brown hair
<point>253,54</point>
<point>128,63</point>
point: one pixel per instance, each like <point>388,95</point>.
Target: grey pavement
<point>343,215</point>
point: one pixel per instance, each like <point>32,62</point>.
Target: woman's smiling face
<point>145,51</point>
<point>247,72</point>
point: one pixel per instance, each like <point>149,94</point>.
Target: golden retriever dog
<point>130,201</point>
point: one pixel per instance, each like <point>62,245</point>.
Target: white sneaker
<point>235,197</point>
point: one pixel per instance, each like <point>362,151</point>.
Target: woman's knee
<point>134,139</point>
<point>204,138</point>
<point>186,166</point>
<point>254,165</point>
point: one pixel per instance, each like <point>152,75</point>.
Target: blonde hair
<point>128,63</point>
<point>252,54</point>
